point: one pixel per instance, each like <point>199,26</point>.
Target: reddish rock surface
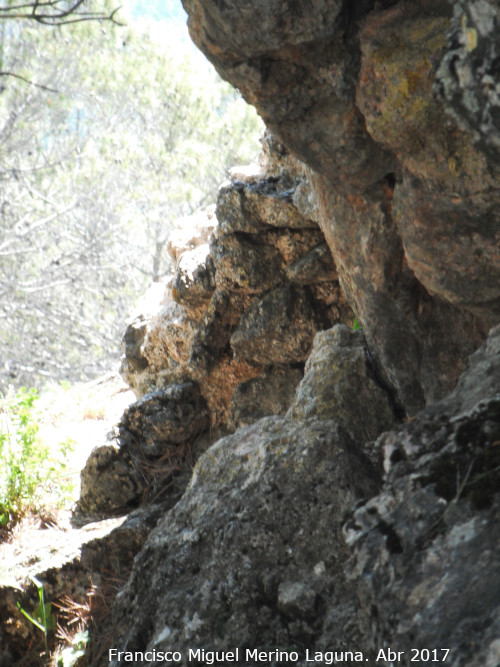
<point>406,177</point>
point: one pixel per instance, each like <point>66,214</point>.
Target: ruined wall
<point>394,105</point>
<point>353,502</point>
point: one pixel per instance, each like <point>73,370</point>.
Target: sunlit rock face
<point>394,107</point>
<point>287,536</point>
<point>253,282</point>
<point>328,519</point>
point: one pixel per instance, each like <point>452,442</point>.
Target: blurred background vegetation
<point>108,134</point>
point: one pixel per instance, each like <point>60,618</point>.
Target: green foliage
<point>29,471</point>
<point>42,616</point>
<point>110,135</point>
<point>356,326</point>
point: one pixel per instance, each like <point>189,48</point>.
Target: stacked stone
<point>254,281</point>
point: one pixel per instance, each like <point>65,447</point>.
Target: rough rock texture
<point>468,75</point>
<point>270,394</point>
<point>153,450</point>
<point>252,555</point>
<point>254,281</point>
<point>166,417</point>
<point>277,329</point>
<point>235,564</point>
<point>393,105</point>
<point>426,549</point>
<point>253,284</point>
<point>339,383</point>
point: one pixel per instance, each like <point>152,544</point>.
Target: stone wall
<point>394,106</point>
<point>352,503</point>
<point>253,282</point>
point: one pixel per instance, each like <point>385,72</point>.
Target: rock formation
<point>253,556</point>
<point>366,516</point>
<point>393,105</point>
<point>254,280</point>
<point>325,491</point>
<point>224,341</point>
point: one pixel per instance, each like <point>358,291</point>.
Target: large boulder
<point>394,107</point>
<point>252,555</point>
<point>340,383</point>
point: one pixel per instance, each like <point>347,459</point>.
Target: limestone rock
<point>132,342</point>
<point>314,267</point>
<point>276,161</point>
<point>157,341</point>
<point>252,553</point>
<point>242,263</point>
<point>339,383</point>
<point>151,454</point>
<point>169,416</point>
<point>277,329</point>
<point>260,251</point>
<point>405,181</point>
<point>444,179</point>
<point>109,482</point>
<point>269,394</point>
<point>134,361</point>
<point>234,563</point>
<point>425,551</point>
<point>468,77</point>
<point>248,207</point>
<point>195,276</point>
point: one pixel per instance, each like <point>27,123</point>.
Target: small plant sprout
<point>42,616</point>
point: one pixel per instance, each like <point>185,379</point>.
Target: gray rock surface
<point>252,555</point>
<point>269,394</point>
<point>277,329</point>
<point>393,105</point>
<point>166,417</point>
<point>151,455</point>
<point>195,276</point>
<point>392,109</point>
<point>468,75</point>
<point>286,538</point>
<point>425,551</point>
<point>108,482</point>
<point>339,383</point>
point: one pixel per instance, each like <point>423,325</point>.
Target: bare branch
<point>31,288</point>
<point>48,13</point>
<point>31,83</point>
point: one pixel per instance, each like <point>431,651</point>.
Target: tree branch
<point>31,83</point>
<point>50,14</point>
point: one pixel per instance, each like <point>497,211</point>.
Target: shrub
<point>29,471</point>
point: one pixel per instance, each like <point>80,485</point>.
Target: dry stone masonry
<point>363,514</point>
<point>320,447</point>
